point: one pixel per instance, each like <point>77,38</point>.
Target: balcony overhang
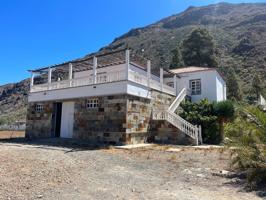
<point>105,89</point>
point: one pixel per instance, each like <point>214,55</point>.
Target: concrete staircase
<point>169,115</point>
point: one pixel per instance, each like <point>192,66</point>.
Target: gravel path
<point>49,172</point>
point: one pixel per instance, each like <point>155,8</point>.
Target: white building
<point>203,83</point>
<point>115,98</point>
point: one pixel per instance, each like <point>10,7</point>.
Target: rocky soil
<point>48,171</point>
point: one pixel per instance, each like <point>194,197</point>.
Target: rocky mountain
<point>239,32</point>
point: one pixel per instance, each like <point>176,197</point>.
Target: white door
<point>67,120</point>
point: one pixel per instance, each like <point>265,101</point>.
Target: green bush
<point>202,113</point>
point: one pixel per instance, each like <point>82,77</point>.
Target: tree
<point>225,111</point>
<point>177,60</point>
<point>199,49</point>
<point>256,85</point>
<point>234,92</point>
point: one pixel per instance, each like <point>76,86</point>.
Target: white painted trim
<point>127,63</point>
<point>149,73</point>
<point>161,78</point>
<point>95,63</point>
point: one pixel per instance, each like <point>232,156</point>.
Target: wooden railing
<point>189,129</point>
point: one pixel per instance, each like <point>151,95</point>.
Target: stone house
<point>113,98</point>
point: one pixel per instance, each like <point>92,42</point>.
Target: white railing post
<point>175,85</point>
<point>161,78</point>
<point>127,63</point>
<point>148,73</point>
<point>95,70</point>
<point>200,135</point>
<point>49,78</point>
<point>32,80</point>
<point>70,74</point>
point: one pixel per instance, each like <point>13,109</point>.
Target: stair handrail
<point>180,97</point>
<point>189,129</point>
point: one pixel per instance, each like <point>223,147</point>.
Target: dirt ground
<point>50,171</point>
<point>11,134</point>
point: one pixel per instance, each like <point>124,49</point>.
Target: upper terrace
<point>112,73</point>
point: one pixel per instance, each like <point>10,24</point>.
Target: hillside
<point>239,32</point>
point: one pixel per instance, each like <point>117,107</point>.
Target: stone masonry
<point>39,124</point>
<point>119,119</point>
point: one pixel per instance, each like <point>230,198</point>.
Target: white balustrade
<point>180,123</point>
<point>107,77</point>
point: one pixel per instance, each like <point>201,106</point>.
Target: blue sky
<point>35,33</point>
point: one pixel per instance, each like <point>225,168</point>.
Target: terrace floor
<point>57,170</point>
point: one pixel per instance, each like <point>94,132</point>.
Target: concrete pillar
<point>175,85</point>
<point>70,74</point>
<point>161,78</point>
<point>127,63</point>
<point>49,78</point>
<point>32,80</point>
<point>95,63</point>
<point>148,73</point>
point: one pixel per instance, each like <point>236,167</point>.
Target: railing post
<point>95,69</point>
<point>175,85</point>
<point>200,134</point>
<point>127,63</point>
<point>148,73</point>
<point>32,80</point>
<point>70,74</point>
<point>161,78</point>
<point>49,78</point>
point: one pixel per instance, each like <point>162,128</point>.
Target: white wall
<point>212,85</point>
<point>221,88</point>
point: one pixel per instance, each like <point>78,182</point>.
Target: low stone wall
<point>39,124</point>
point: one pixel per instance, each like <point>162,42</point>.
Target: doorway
<point>56,119</point>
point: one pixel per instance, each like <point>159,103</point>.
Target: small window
<point>195,86</point>
<point>92,103</point>
<point>39,107</point>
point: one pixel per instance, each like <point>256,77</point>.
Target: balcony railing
<point>129,72</point>
<point>83,81</point>
<point>104,78</point>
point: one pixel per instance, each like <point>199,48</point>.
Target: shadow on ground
<point>71,145</point>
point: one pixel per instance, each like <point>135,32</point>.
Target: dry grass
<point>11,134</point>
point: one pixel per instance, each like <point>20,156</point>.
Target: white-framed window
<point>92,103</point>
<point>39,107</point>
<point>195,86</point>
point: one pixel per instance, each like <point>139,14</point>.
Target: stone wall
<point>39,124</point>
<point>138,119</point>
<point>139,115</point>
<point>105,124</point>
<point>120,119</point>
